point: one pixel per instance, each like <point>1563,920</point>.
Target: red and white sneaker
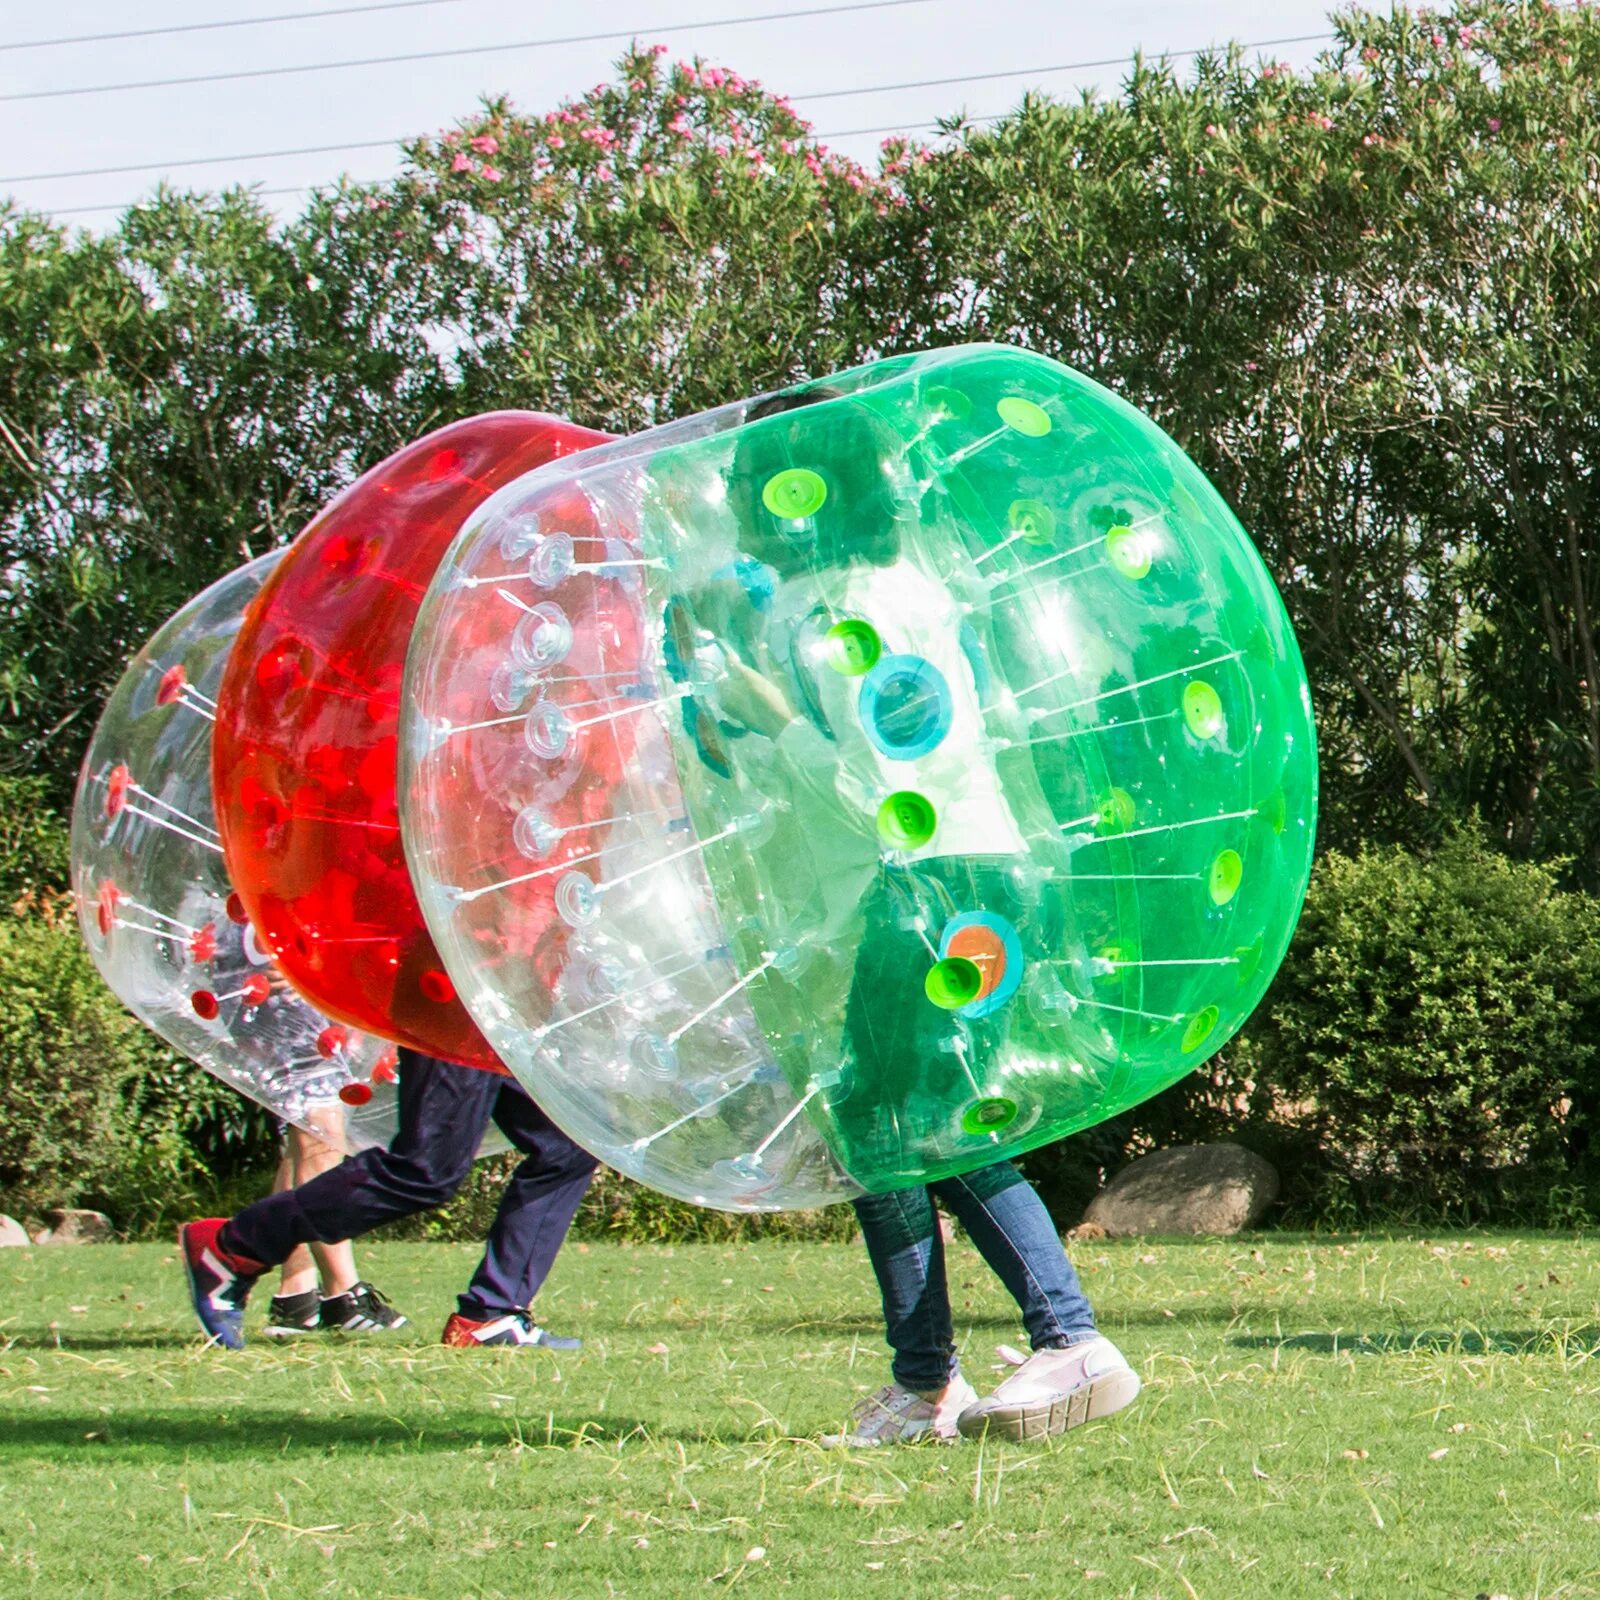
<point>1053,1390</point>
<point>516,1328</point>
<point>219,1281</point>
<point>900,1416</point>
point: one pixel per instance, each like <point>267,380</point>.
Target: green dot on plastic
<point>1115,811</point>
<point>1202,710</point>
<point>794,493</point>
<point>1032,521</point>
<point>852,647</point>
<point>1127,552</point>
<point>951,404</point>
<point>953,983</point>
<point>906,820</point>
<point>1274,811</point>
<point>1227,873</point>
<point>989,1116</point>
<point>1024,416</point>
<point>1199,1029</point>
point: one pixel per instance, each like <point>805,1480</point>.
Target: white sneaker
<point>1054,1390</point>
<point>897,1416</point>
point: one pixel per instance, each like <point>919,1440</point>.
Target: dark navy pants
<point>444,1112</point>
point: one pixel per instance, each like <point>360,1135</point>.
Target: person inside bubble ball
<point>829,518</point>
<point>319,1289</point>
<point>445,1109</point>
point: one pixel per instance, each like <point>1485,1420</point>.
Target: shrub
<point>1432,1033</point>
<point>97,1111</point>
<point>33,845</point>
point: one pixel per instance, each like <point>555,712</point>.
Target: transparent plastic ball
<point>161,917</point>
<point>305,758</point>
<point>888,776</point>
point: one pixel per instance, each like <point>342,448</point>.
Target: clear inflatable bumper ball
<point>875,780</point>
<point>162,919</point>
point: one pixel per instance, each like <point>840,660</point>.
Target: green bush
<point>97,1111</point>
<point>1431,1037</point>
<point>33,845</point>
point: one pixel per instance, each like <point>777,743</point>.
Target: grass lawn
<point>1360,1417</point>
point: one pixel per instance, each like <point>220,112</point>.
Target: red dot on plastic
<point>443,464</point>
<point>234,907</point>
<point>205,1004</point>
<point>332,1040</point>
<point>436,986</point>
<point>356,1094</point>
<point>117,786</point>
<point>282,667</point>
<point>171,686</point>
<point>258,988</point>
<point>106,898</point>
<point>203,943</point>
<point>347,554</point>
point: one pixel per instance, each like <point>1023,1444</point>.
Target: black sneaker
<point>362,1309</point>
<point>290,1315</point>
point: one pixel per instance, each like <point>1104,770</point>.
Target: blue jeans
<point>444,1112</point>
<point>1008,1223</point>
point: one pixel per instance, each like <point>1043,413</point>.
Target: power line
<point>467,50</point>
<point>1030,72</point>
<point>830,94</point>
<point>208,161</point>
<point>235,22</point>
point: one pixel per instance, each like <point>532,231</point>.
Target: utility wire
<point>466,50</point>
<point>830,94</point>
<point>235,22</point>
<point>1029,72</point>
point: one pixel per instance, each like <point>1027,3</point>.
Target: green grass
<point>1361,1417</point>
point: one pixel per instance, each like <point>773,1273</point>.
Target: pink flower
<point>714,77</point>
<point>636,83</point>
<point>604,173</point>
<point>492,174</point>
<point>787,146</point>
<point>679,124</point>
<point>1436,39</point>
<point>1369,54</point>
<point>1212,129</point>
<point>556,142</point>
<point>486,144</point>
<point>462,162</point>
<point>1494,124</point>
<point>658,49</point>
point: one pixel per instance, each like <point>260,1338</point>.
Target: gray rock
<point>12,1232</point>
<point>69,1226</point>
<point>1197,1188</point>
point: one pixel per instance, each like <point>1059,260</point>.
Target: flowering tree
<point>663,243</point>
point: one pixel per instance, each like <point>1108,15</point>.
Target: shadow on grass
<point>244,1435</point>
<point>1443,1341</point>
<point>131,1339</point>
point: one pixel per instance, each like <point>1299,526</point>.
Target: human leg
<point>1007,1222</point>
<point>1075,1374</point>
<point>297,1275</point>
<point>904,1243</point>
<point>534,1213</point>
<point>444,1109</point>
<point>314,1153</point>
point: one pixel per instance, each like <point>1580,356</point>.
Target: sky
<point>840,66</point>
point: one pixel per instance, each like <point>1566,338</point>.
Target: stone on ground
<point>1193,1189</point>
